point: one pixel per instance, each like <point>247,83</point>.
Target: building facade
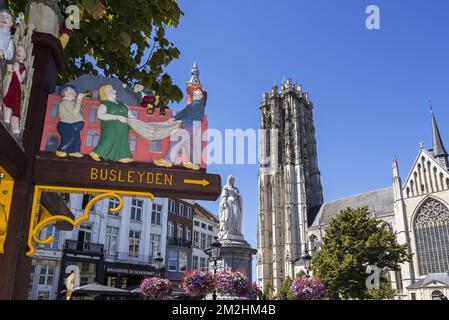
<point>205,229</point>
<point>292,213</point>
<point>293,218</point>
<point>418,211</point>
<point>289,181</point>
<point>111,249</point>
<point>179,239</point>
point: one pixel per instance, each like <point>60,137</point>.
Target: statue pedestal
<point>237,254</point>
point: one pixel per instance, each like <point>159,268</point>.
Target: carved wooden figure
<point>12,100</point>
<point>71,123</point>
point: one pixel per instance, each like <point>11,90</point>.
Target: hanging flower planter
<point>304,288</point>
<point>232,283</point>
<point>256,291</point>
<point>197,283</point>
<point>155,287</point>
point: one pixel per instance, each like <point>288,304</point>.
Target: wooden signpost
<point>163,182</point>
<point>27,169</point>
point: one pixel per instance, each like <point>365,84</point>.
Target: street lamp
<point>306,258</point>
<point>214,253</point>
<point>159,261</point>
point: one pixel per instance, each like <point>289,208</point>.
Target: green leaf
<point>109,28</point>
<point>90,5</point>
<point>125,39</point>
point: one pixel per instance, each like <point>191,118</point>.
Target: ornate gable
<point>427,176</point>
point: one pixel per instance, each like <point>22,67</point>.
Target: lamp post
<point>214,254</point>
<point>159,267</point>
<point>306,258</point>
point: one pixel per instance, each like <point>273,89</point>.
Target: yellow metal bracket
<point>6,190</point>
<point>41,218</point>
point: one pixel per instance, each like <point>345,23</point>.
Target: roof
<point>203,212</point>
<point>433,278</point>
<point>90,82</point>
<point>379,202</point>
<point>438,148</point>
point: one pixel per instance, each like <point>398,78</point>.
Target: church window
<point>398,276</point>
<point>408,192</point>
<point>447,183</point>
<point>437,295</point>
<point>416,182</point>
<point>432,237</point>
<point>430,175</point>
<point>435,178</point>
<point>314,243</point>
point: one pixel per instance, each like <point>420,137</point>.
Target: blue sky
<point>370,88</point>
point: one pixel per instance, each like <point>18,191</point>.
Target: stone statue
<point>231,209</point>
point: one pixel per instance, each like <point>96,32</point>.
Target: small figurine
<point>71,122</point>
<point>147,98</point>
<point>114,141</point>
<point>6,40</point>
<point>190,116</point>
<point>13,97</point>
<point>195,110</point>
<point>150,103</point>
<point>6,48</point>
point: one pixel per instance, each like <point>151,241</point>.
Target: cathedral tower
<point>290,192</point>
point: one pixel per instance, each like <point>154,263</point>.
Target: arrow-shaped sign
<point>203,182</point>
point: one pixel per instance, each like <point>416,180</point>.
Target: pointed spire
<point>274,89</point>
<point>438,147</point>
<point>439,151</point>
<point>195,74</point>
<point>395,167</point>
<point>397,184</point>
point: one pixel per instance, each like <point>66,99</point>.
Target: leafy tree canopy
<point>384,291</point>
<point>354,241</point>
<point>122,39</point>
<point>285,293</point>
<point>267,291</point>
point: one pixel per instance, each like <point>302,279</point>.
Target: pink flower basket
<point>232,283</point>
<point>196,283</point>
<point>155,287</point>
<point>304,288</point>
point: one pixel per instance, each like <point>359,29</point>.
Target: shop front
<point>125,275</point>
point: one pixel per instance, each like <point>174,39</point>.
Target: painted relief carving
<point>108,121</point>
<point>16,72</point>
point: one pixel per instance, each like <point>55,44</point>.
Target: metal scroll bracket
<point>40,219</point>
<point>6,190</point>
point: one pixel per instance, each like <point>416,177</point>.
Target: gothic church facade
<point>293,218</point>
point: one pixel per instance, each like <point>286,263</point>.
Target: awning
<point>94,290</point>
<point>52,204</point>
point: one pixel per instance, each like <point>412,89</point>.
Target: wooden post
<point>15,266</point>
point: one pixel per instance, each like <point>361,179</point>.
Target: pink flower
<point>197,283</point>
<point>304,288</point>
<point>232,283</point>
<point>155,287</point>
